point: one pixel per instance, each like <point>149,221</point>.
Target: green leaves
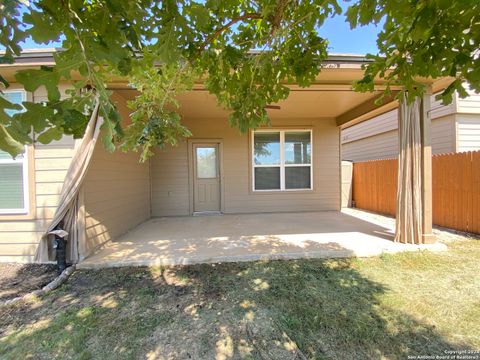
<point>32,79</point>
<point>162,47</point>
<point>214,40</point>
<point>12,136</point>
<point>290,51</point>
<point>9,144</point>
<point>6,105</point>
<point>36,116</point>
<point>200,16</point>
<point>167,49</point>
<point>154,122</point>
<point>178,43</point>
<point>424,39</point>
<point>42,31</point>
<point>11,32</point>
<point>49,135</point>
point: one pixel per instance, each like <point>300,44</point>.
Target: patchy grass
<point>386,307</point>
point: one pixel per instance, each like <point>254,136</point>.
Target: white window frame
<point>24,161</point>
<point>282,164</point>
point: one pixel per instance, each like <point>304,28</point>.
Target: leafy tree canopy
<point>163,47</point>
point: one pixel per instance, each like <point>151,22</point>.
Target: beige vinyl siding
<point>347,173</point>
<point>378,125</point>
<point>388,121</point>
<point>439,110</point>
<point>19,238</point>
<point>469,105</point>
<point>377,138</point>
<point>385,145</point>
<point>116,193</point>
<point>51,165</point>
<point>468,122</point>
<point>170,187</point>
<point>443,135</point>
<point>468,130</point>
<point>380,146</point>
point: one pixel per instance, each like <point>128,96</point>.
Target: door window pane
<point>11,186</point>
<point>206,162</point>
<point>266,147</point>
<point>297,147</point>
<point>267,178</point>
<point>297,177</point>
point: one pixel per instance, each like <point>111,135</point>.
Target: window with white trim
<point>282,160</point>
<point>13,172</point>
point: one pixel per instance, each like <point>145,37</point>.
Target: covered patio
<point>148,218</point>
<point>167,241</point>
<point>287,184</point>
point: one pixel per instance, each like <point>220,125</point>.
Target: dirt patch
<point>20,279</point>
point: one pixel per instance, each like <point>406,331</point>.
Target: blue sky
<point>341,38</point>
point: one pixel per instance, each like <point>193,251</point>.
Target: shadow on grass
<point>262,310</point>
<point>326,307</point>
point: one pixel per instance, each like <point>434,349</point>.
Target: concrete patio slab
<point>248,237</point>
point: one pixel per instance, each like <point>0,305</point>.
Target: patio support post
<point>426,164</point>
<point>414,189</point>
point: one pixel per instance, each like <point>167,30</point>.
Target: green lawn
<point>387,307</point>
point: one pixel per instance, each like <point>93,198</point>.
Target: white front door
<point>206,178</point>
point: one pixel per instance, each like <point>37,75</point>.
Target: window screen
<point>282,160</point>
<point>11,186</point>
<point>267,178</point>
<point>13,189</point>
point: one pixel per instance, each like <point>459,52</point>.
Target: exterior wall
<point>378,125</point>
<point>170,171</point>
<point>116,193</point>
<point>347,175</point>
<point>385,145</point>
<point>468,122</point>
<point>443,135</point>
<point>377,138</point>
<point>468,131</point>
<point>380,146</point>
<point>439,110</point>
<point>469,105</point>
<point>170,184</point>
<point>48,164</point>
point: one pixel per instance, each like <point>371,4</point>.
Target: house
<point>455,128</point>
<point>292,166</point>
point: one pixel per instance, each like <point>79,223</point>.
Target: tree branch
<point>232,22</point>
<point>281,5</point>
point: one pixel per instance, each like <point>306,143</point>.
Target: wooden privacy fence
<point>455,192</point>
<point>375,185</point>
